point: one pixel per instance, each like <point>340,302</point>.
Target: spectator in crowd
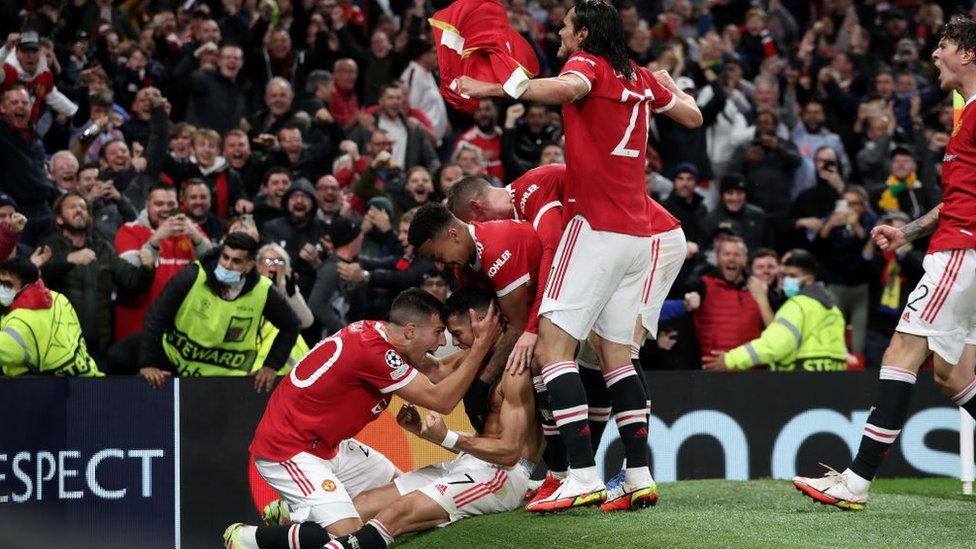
<point>385,280</point>
<point>445,177</point>
<point>88,271</point>
<point>726,314</point>
<point>136,129</point>
<point>878,129</point>
<point>807,334</point>
<point>735,213</point>
<point>217,92</point>
<point>809,136</point>
<point>526,132</point>
<point>409,143</point>
<point>486,137</point>
<point>195,203</point>
<point>380,63</point>
<point>64,171</point>
<point>330,200</point>
<point>677,144</point>
<point>344,105</point>
<point>178,165</point>
<point>22,163</point>
<point>686,204</point>
<point>424,93</point>
<point>333,301</point>
<point>893,274</point>
<point>764,266</point>
<point>274,59</point>
<point>279,108</point>
<point>225,183</point>
<point>110,209</point>
<point>815,203</point>
<point>178,339</point>
<point>839,246</point>
<point>237,152</point>
<point>302,160</point>
<point>417,191</point>
<point>299,232</point>
<point>11,225</point>
<point>174,242</point>
<point>903,191</point>
<point>274,263</point>
<point>269,203</point>
<point>28,68</point>
<point>551,154</point>
<point>768,164</point>
<point>40,334</point>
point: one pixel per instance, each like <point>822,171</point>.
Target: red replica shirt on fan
<point>606,144</point>
<point>508,254</point>
<point>957,218</point>
<point>338,388</point>
<point>490,146</point>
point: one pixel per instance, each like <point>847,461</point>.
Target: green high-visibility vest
<point>215,337</point>
<point>45,341</point>
<point>804,336</point>
<point>266,337</point>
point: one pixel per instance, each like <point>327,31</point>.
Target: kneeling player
<point>338,388</point>
<point>490,474</point>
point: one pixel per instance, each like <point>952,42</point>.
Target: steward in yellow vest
<point>207,321</point>
<point>39,330</point>
<point>807,334</point>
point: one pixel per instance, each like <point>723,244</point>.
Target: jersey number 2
<point>645,100</point>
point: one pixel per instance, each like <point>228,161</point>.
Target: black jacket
<point>690,214</point>
<point>750,223</point>
<point>161,315</point>
<point>286,234</point>
<point>22,166</point>
<point>215,101</point>
<point>521,148</point>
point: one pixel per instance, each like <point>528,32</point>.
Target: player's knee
<point>397,516</point>
<point>906,351</point>
<point>344,527</point>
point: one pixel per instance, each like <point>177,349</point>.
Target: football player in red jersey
<point>490,473</point>
<point>607,102</point>
<point>940,315</point>
<point>339,387</point>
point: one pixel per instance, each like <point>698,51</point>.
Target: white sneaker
<point>571,493</point>
<point>832,489</point>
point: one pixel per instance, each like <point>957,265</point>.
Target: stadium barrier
<point>113,463</point>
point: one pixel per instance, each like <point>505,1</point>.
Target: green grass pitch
<point>719,513</point>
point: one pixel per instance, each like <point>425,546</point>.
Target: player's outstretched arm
<point>444,396</point>
<point>558,90</point>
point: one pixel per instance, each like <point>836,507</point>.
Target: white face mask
<point>7,295</point>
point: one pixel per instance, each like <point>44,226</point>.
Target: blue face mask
<point>227,276</point>
<point>791,286</point>
<point>7,295</point>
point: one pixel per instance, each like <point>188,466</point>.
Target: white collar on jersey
<point>379,328</point>
<point>971,99</point>
<point>478,248</point>
<point>511,193</point>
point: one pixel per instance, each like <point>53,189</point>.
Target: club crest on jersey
<point>396,363</point>
<point>499,263</point>
<point>328,485</point>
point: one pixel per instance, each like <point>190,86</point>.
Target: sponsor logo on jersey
<point>499,263</point>
<point>581,58</point>
<point>328,485</point>
<point>525,197</point>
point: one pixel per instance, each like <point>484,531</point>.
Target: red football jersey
<point>957,218</point>
<point>490,146</point>
<point>606,144</point>
<point>508,253</point>
<point>538,191</point>
<point>338,388</point>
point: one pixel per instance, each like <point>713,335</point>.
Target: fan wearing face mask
<point>39,329</point>
<point>807,333</point>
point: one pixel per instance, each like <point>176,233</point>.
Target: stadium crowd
<point>152,149</point>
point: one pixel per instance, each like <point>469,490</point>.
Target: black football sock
<point>964,399</point>
<point>372,535</point>
<point>305,535</point>
<point>555,453</point>
<point>630,411</point>
<point>569,410</point>
<point>598,399</point>
<point>885,421</point>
